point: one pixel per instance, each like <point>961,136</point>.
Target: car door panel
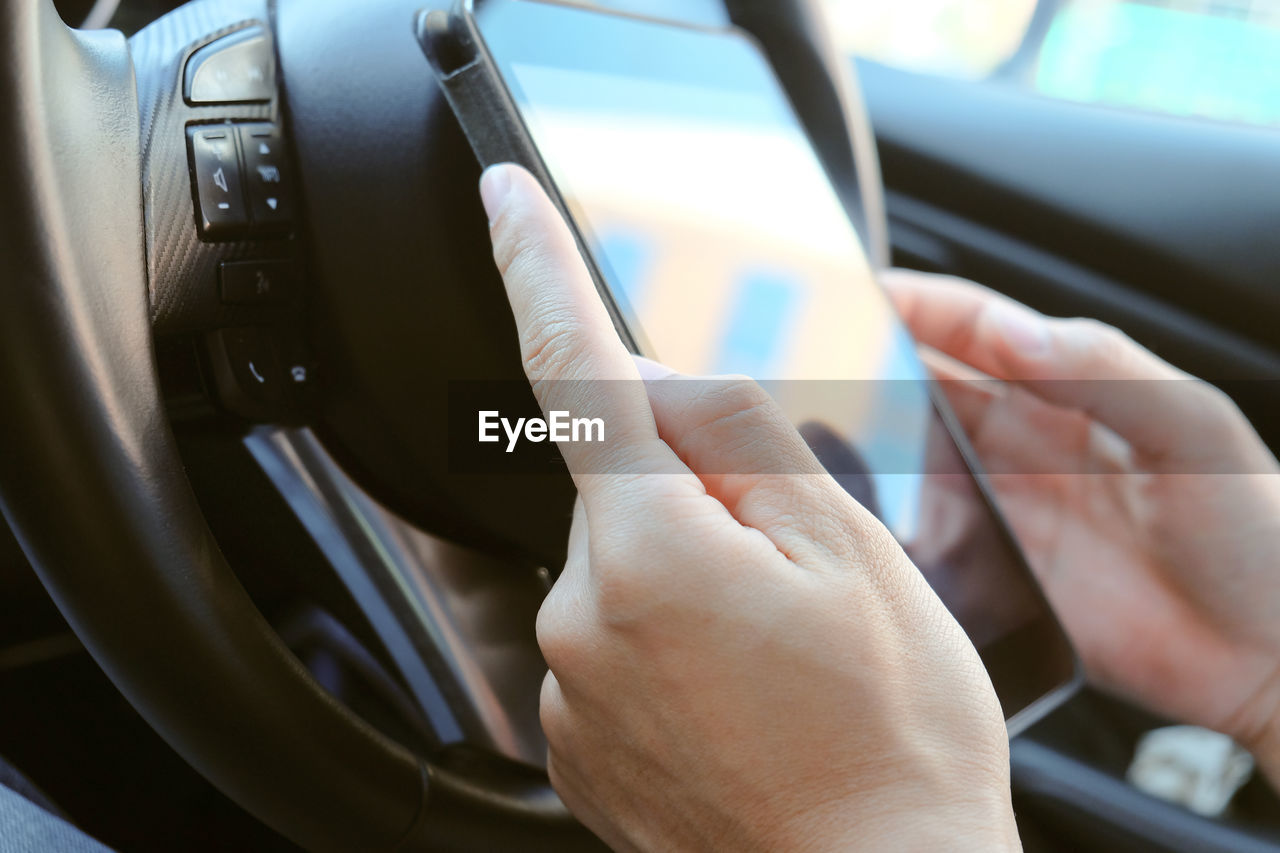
<point>1162,226</point>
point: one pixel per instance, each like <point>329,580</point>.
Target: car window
<point>1211,59</point>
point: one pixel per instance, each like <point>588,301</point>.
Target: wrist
<point>970,825</point>
<point>977,817</point>
<point>985,824</point>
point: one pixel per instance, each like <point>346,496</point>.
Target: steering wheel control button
<point>219,195</point>
<point>257,282</point>
<point>266,176</point>
<point>249,361</point>
<point>237,68</point>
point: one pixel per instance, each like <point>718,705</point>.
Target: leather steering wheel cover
<point>92,485</point>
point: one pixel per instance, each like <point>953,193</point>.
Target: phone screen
<point>726,250</point>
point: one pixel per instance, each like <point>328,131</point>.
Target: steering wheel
<point>283,184</point>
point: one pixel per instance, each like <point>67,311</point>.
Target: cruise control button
<point>236,68</point>
<point>220,197</point>
<point>266,176</point>
<point>257,282</point>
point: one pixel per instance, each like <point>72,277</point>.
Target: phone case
<point>489,118</point>
<point>475,91</point>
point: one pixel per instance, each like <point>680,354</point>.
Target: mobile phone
<point>719,245</point>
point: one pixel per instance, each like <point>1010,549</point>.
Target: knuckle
<point>630,580</point>
<point>555,633</point>
<point>1217,403</point>
<point>862,539</point>
<point>552,712</point>
<point>1106,341</point>
<point>1088,326</point>
<point>723,406</point>
<point>548,345</point>
<point>746,430</point>
<point>820,507</point>
<point>623,592</point>
<point>744,394</point>
<point>1222,414</point>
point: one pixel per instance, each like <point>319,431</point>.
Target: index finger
<point>570,349</point>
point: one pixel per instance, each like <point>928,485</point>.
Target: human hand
<point>744,660</point>
<point>1148,506</point>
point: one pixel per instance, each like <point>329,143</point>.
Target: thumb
<point>740,443</point>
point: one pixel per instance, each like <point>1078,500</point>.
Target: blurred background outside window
<point>1211,59</point>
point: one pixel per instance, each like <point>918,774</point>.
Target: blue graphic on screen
<point>761,313</point>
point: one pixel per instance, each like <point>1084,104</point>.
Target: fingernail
<point>1023,331</point>
<point>495,183</point>
<point>651,370</point>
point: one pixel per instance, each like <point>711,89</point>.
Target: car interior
<point>246,604</point>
